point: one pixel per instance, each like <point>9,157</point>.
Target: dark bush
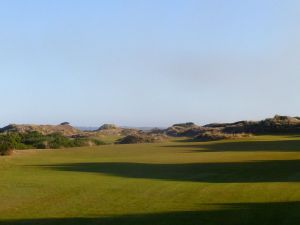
<point>36,140</point>
<point>98,142</point>
<point>8,143</point>
<point>57,140</point>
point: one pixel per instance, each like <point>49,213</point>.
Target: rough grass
<point>251,181</point>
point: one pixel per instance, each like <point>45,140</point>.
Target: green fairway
<point>252,181</point>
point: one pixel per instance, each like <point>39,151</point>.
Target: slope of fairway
<point>254,181</point>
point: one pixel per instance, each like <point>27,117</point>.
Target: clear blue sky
<point>148,63</point>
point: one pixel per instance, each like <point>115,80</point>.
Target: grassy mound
<point>142,138</point>
<point>217,135</point>
<point>64,128</point>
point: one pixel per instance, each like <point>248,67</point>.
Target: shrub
<point>98,142</point>
<point>36,140</point>
<point>57,140</point>
<point>33,139</point>
<point>5,149</point>
<point>8,143</point>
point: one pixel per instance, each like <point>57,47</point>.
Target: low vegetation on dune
<point>277,124</point>
<point>114,130</point>
<point>64,128</point>
<point>108,127</point>
<point>64,135</point>
<point>215,135</point>
<point>218,131</point>
<point>14,136</point>
<point>36,140</point>
<point>142,138</point>
<point>183,129</point>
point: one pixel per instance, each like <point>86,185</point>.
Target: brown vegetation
<point>217,135</point>
<point>142,138</point>
<point>65,129</point>
<point>271,125</point>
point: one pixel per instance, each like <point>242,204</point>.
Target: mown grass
<point>253,181</point>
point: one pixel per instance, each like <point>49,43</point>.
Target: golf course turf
<point>249,181</point>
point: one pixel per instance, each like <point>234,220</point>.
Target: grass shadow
<point>242,146</point>
<point>278,213</point>
<point>221,172</point>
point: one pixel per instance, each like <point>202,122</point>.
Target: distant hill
<point>143,128</point>
<point>277,124</point>
<point>270,125</point>
<point>92,128</point>
<point>65,129</point>
<point>114,130</point>
<point>86,128</point>
<point>183,129</point>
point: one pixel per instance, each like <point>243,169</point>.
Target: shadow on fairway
<point>223,172</point>
<point>284,213</point>
<point>242,146</point>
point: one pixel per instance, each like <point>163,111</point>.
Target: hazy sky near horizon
<point>148,63</point>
